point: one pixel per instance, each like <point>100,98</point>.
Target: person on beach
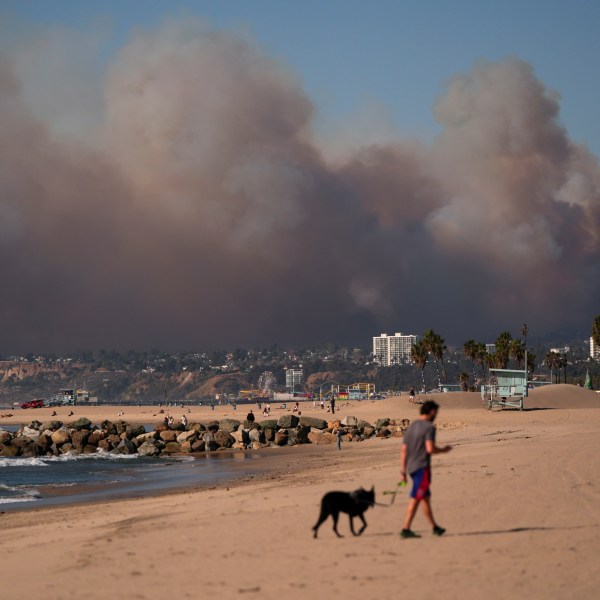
<point>411,395</point>
<point>417,448</point>
<point>332,403</point>
<point>339,435</point>
<point>184,421</point>
<point>250,417</point>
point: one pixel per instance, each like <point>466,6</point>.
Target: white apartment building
<point>490,348</point>
<point>393,349</point>
<point>594,349</point>
<point>293,378</point>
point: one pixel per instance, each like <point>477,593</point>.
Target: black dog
<point>353,503</point>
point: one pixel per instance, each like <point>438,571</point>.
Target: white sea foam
<point>14,499</point>
<point>44,461</point>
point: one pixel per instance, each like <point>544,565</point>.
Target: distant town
<point>393,363</point>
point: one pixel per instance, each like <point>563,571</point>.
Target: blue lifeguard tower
<point>507,389</point>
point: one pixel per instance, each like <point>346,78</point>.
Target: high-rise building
<point>393,349</point>
<point>490,348</point>
<point>594,349</point>
<point>293,378</point>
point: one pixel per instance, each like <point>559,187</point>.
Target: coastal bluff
<point>55,438</point>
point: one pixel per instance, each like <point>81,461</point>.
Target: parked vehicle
<point>33,404</point>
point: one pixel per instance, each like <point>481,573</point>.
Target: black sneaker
<point>408,533</point>
<point>437,530</point>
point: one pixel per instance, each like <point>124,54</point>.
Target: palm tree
<point>503,344</point>
<point>552,361</point>
<point>470,349</point>
<point>481,355</point>
<point>563,363</point>
<point>517,351</point>
<point>434,344</point>
<point>464,381</point>
<point>419,356</point>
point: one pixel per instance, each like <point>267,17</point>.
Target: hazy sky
<point>217,174</point>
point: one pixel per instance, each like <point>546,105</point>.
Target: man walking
<point>417,448</point>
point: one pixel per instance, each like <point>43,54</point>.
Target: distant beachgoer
<point>265,412</point>
<point>184,421</point>
<point>53,413</point>
<point>268,409</point>
<point>296,407</point>
<point>250,417</point>
<point>339,435</point>
<point>417,448</point>
<point>332,403</point>
<point>71,413</point>
<point>322,404</point>
<point>411,395</point>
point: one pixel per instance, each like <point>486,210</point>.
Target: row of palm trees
<point>507,348</point>
<point>556,363</point>
<point>431,343</point>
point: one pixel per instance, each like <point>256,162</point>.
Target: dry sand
<point>519,495</point>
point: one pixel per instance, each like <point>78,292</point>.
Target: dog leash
<point>392,493</point>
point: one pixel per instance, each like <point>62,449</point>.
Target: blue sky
<point>351,54</point>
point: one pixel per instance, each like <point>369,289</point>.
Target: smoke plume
<point>196,207</point>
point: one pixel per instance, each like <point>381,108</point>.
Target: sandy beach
<point>519,495</point>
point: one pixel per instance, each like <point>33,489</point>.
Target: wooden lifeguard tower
<point>507,389</point>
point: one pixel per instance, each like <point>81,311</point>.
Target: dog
<point>354,504</point>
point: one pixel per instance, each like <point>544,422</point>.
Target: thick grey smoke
<point>201,209</point>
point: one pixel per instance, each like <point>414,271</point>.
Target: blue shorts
<point>421,482</point>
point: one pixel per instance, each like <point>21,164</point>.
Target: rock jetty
<point>54,438</point>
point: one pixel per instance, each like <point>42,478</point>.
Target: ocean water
<point>47,481</point>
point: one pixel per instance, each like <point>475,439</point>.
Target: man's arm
<point>403,461</point>
<point>433,449</point>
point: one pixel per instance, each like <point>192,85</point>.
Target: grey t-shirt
<point>414,438</point>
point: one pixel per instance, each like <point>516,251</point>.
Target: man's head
<point>429,410</point>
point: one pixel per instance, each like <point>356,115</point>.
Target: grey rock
<point>81,423</point>
<point>349,421</point>
<point>313,422</point>
<point>148,448</point>
<point>229,425</point>
<point>288,421</point>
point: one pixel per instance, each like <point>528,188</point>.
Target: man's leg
<point>410,512</point>
<point>427,511</point>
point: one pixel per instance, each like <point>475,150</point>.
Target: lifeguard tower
<point>507,389</point>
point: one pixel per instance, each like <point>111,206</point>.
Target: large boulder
<point>5,437</point>
<point>61,436</point>
<point>224,439</point>
<point>35,424</point>
<point>269,433</point>
<point>160,427</point>
<point>81,423</point>
<point>114,439</point>
<point>362,424</point>
<point>302,432</point>
<point>89,449</point>
<point>172,448</point>
<point>105,445</point>
<point>288,421</point>
<point>66,448</point>
<point>384,432</point>
<point>150,436</point>
<point>52,425</point>
<point>187,436</point>
<point>197,427</point>
<point>251,425</point>
<point>199,446</point>
<point>238,436</point>
<point>254,435</point>
<point>30,432</point>
<point>213,426</point>
<point>381,423</point>
<point>313,422</point>
<point>229,425</point>
<point>148,449</point>
<point>320,437</point>
<point>368,431</point>
<point>281,437</point>
<point>349,421</point>
<point>269,424</point>
<point>126,447</point>
<point>109,427</point>
<point>186,446</point>
<point>133,430</point>
<point>168,436</point>
<point>95,437</point>
<point>209,442</point>
<point>8,451</point>
<point>79,439</point>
